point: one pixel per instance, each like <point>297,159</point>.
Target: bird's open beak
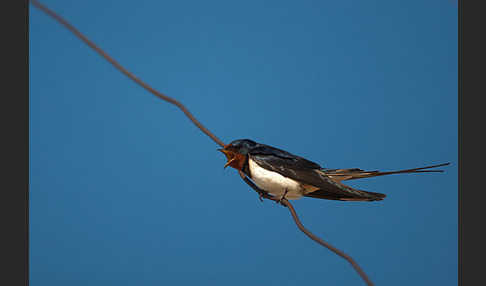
<point>229,162</point>
<point>230,156</point>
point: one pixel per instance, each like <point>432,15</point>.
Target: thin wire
<point>125,71</point>
<point>327,245</point>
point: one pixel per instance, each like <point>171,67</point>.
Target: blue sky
<point>124,190</point>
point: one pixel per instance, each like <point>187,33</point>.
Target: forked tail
<point>351,174</point>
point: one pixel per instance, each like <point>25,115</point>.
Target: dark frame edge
<point>14,114</point>
<point>471,143</point>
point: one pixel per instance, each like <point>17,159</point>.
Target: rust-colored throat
<point>235,159</point>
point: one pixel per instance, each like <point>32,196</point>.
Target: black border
<point>14,115</point>
<point>471,142</point>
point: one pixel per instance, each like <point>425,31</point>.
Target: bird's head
<point>236,152</point>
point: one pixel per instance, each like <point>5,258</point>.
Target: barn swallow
<point>285,175</point>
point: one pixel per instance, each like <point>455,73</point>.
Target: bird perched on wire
<point>285,175</point>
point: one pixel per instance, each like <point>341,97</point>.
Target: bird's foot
<point>279,201</point>
<point>260,196</point>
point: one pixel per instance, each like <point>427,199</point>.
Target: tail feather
<point>355,173</point>
<point>346,193</point>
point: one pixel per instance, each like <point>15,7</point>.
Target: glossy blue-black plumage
<point>298,169</point>
<point>250,147</point>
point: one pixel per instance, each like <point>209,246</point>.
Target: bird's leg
<point>279,201</point>
<point>260,196</point>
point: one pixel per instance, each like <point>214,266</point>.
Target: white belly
<point>274,183</point>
